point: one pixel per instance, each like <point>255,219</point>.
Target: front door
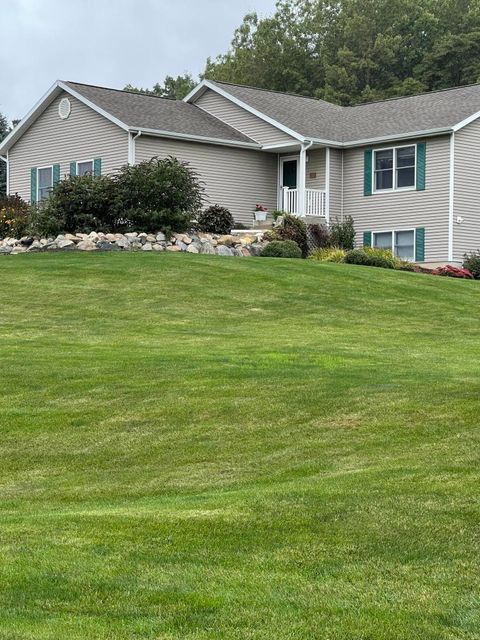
<point>289,174</point>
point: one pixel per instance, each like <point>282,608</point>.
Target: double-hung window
<point>44,182</point>
<point>400,243</point>
<point>394,168</point>
<point>85,168</point>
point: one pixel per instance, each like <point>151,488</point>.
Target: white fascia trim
<point>25,122</point>
<point>187,136</point>
<point>281,145</point>
<point>205,84</point>
<point>92,105</point>
<point>468,120</point>
<point>398,136</point>
<point>451,196</point>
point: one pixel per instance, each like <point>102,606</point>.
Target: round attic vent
<point>64,108</point>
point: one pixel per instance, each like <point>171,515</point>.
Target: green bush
<point>13,216</point>
<point>215,219</point>
<point>78,203</point>
<point>328,254</point>
<point>471,261</point>
<point>160,191</point>
<point>292,228</point>
<point>281,249</point>
<point>371,257</point>
<point>342,234</point>
<point>319,236</point>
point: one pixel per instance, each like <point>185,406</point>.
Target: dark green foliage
<point>174,88</point>
<point>371,258</point>
<point>81,204</point>
<point>215,219</point>
<point>355,50</point>
<point>318,235</point>
<point>471,261</point>
<point>4,129</point>
<point>342,234</point>
<point>281,249</point>
<point>13,216</point>
<point>292,228</point>
<point>158,191</point>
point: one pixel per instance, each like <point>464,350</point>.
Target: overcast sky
<point>109,42</point>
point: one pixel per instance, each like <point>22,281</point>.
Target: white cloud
<point>109,42</point>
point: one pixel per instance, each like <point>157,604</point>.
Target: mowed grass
<point>202,448</point>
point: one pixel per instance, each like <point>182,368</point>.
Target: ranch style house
<point>405,169</point>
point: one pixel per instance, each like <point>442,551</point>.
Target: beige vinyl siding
<point>335,184</point>
<point>403,209</point>
<point>466,236</point>
<point>240,119</point>
<point>315,166</point>
<point>234,178</point>
<point>83,136</point>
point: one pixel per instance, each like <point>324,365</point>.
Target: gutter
<point>194,138</point>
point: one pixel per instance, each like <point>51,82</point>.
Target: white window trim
<point>49,166</point>
<point>394,189</point>
<point>393,232</point>
<point>82,162</point>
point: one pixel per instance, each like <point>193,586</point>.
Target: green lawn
<point>200,447</point>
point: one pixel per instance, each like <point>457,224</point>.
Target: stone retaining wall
<point>224,245</point>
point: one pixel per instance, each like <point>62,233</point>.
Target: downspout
<point>327,185</point>
<point>341,206</point>
<point>451,197</point>
<point>131,146</point>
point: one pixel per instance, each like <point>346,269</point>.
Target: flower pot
<point>260,216</point>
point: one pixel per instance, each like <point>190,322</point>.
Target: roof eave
<point>426,133</point>
<point>159,133</point>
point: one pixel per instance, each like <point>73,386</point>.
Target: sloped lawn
<point>203,448</point>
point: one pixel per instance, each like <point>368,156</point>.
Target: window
<point>394,168</point>
<point>45,182</point>
<point>400,243</point>
<point>85,168</point>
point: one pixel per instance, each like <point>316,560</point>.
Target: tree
<point>174,88</point>
<point>4,129</point>
<point>351,51</point>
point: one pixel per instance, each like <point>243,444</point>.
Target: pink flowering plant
<point>261,207</point>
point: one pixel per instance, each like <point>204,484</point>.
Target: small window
<point>405,245</point>
<point>394,168</point>
<point>85,168</point>
<point>45,182</point>
<point>383,240</point>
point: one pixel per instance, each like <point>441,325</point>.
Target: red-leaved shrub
<point>452,272</point>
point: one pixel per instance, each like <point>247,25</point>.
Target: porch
<point>303,182</point>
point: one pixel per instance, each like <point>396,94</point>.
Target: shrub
<point>160,191</point>
<point>452,272</point>
<point>13,216</point>
<point>328,254</point>
<point>78,203</point>
<point>318,236</point>
<point>342,234</point>
<point>471,261</point>
<point>281,249</point>
<point>292,228</point>
<point>215,219</point>
<point>404,265</point>
<point>371,257</point>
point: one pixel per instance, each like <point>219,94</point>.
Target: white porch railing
<point>314,202</point>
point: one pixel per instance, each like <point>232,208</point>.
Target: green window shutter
<point>55,174</point>
<point>420,244</point>
<point>97,167</point>
<point>367,172</point>
<point>421,165</point>
<point>33,184</point>
<point>73,168</point>
<point>367,238</point>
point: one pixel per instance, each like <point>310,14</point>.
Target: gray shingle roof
<point>314,118</point>
<point>150,112</point>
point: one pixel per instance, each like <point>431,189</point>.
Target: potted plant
<point>260,213</point>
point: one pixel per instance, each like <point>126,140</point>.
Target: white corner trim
<point>451,196</point>
<point>205,84</point>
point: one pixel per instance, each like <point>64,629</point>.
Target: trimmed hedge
<point>281,249</point>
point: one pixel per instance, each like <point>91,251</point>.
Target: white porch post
<point>327,184</point>
<point>302,180</point>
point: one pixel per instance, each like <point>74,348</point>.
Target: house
<point>405,169</point>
